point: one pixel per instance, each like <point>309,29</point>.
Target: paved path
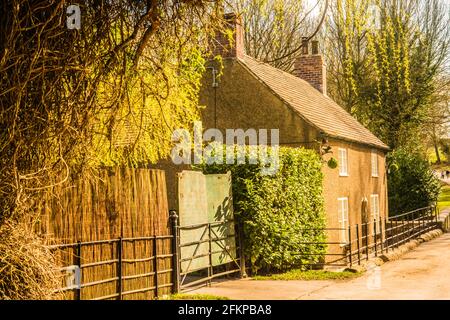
<point>423,273</point>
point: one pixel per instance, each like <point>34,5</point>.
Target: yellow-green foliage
<point>387,76</point>
<point>155,104</point>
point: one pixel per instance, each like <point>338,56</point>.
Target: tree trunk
<point>436,149</point>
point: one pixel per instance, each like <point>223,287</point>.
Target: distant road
<point>422,273</point>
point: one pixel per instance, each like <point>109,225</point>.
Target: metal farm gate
<point>207,234</point>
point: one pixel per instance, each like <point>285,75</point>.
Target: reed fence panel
<point>122,203</point>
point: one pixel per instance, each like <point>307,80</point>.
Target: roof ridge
<point>281,71</point>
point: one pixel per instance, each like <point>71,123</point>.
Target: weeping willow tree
<point>108,93</point>
<point>386,75</point>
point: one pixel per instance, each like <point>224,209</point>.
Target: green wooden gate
<point>207,230</point>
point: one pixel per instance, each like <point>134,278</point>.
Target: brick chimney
<point>311,67</point>
<point>222,45</point>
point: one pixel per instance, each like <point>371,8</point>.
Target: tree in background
<point>390,79</point>
<point>411,183</point>
<point>437,120</point>
<point>274,28</point>
<point>385,73</point>
<point>387,77</point>
<point>346,51</point>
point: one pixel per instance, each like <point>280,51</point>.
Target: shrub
<point>411,183</point>
<point>28,270</point>
<point>279,212</point>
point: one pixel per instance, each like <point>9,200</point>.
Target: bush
<point>278,212</point>
<point>28,270</point>
<point>411,183</point>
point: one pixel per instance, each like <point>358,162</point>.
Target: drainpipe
<point>215,85</point>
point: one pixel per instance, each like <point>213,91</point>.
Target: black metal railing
<point>348,246</point>
<point>119,260</point>
<point>381,235</point>
<point>360,242</point>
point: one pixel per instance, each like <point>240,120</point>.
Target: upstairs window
<point>374,163</point>
<point>343,162</point>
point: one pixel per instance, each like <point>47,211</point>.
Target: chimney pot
<point>315,47</point>
<point>305,45</point>
<point>311,68</point>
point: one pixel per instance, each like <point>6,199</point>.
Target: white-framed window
<point>374,163</point>
<point>343,220</point>
<point>343,162</point>
<point>375,210</point>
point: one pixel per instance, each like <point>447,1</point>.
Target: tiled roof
<point>315,108</point>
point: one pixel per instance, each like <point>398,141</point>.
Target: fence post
<point>155,264</point>
<point>375,235</point>
<point>367,240</point>
<point>78,289</point>
<point>175,251</point>
<point>396,233</point>
<point>357,243</point>
<point>119,267</point>
<point>403,231</point>
<point>436,213</point>
<point>386,234</point>
<point>420,222</point>
<point>241,251</point>
<point>210,268</point>
<point>381,234</point>
<point>350,244</point>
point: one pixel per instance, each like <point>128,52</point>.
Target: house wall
<point>242,102</point>
<point>358,184</point>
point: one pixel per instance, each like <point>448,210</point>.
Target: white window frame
<point>374,163</point>
<point>343,162</point>
<point>375,210</point>
<point>343,220</point>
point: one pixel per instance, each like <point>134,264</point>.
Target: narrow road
<point>423,273</point>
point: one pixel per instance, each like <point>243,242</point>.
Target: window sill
<point>375,176</point>
<point>343,175</point>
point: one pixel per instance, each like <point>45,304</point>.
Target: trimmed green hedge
<point>411,183</point>
<point>278,212</point>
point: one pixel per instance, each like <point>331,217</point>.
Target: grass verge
<point>310,275</point>
<point>444,198</point>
